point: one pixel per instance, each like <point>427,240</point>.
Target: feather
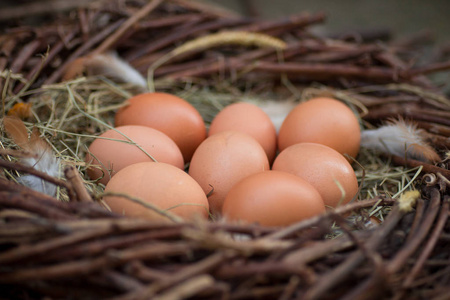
<point>42,157</point>
<point>397,137</point>
<point>400,138</point>
<point>16,130</point>
<point>276,110</point>
<point>109,64</point>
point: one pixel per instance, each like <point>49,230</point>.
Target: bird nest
<point>391,243</point>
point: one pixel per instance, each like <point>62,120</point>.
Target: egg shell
<point>323,167</point>
<point>163,185</point>
<point>112,152</point>
<point>222,160</point>
<point>272,198</point>
<point>324,121</point>
<point>169,114</point>
<point>248,118</point>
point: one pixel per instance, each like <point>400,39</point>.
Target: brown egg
<point>169,114</point>
<point>324,121</point>
<point>272,198</point>
<point>222,160</point>
<point>159,184</point>
<point>112,151</point>
<point>323,167</point>
<point>248,118</point>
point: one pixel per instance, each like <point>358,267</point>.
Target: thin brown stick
<point>90,265</point>
<point>110,241</point>
<point>83,49</point>
<point>410,247</point>
<point>28,201</point>
<point>320,249</point>
<point>77,184</point>
<point>26,52</point>
<point>337,275</point>
<point>416,224</point>
<point>315,220</point>
<point>207,9</point>
<point>284,24</point>
<point>180,33</point>
<point>426,168</point>
<point>122,282</point>
<point>170,20</point>
<point>112,39</point>
<point>30,170</point>
<point>39,8</point>
<point>203,266</point>
<point>144,273</point>
<point>327,71</point>
<point>426,251</point>
<point>53,52</point>
<point>432,68</point>
<point>23,253</point>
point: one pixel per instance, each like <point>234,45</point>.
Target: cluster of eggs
<point>240,168</point>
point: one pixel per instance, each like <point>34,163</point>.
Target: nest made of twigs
<point>72,247</point>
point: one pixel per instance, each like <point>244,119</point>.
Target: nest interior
<point>70,247</point>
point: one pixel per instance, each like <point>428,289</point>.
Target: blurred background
<point>401,17</point>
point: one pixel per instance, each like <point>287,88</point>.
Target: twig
<point>27,51</point>
<point>321,249</point>
<point>121,281</point>
<point>110,241</point>
<point>337,275</point>
<point>85,266</point>
<point>315,220</point>
<point>165,213</point>
<point>328,71</point>
<point>432,68</point>
<point>284,24</point>
<point>111,40</point>
<point>182,32</point>
<point>30,170</point>
<point>203,266</point>
<point>426,251</point>
<point>187,289</point>
<point>29,201</point>
<point>426,168</point>
<point>207,9</point>
<point>25,252</point>
<point>39,8</point>
<point>416,224</point>
<point>83,49</point>
<point>410,247</point>
<point>53,52</point>
<point>77,184</point>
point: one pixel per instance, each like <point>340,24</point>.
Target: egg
<point>248,118</point>
<point>323,167</point>
<point>324,121</point>
<point>159,184</point>
<point>222,160</point>
<point>112,150</point>
<point>169,114</point>
<point>272,198</point>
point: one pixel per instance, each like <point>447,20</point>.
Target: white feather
<point>108,64</point>
<point>395,138</point>
<point>276,110</point>
<point>401,139</point>
<point>111,64</point>
<point>45,161</point>
<point>41,156</point>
